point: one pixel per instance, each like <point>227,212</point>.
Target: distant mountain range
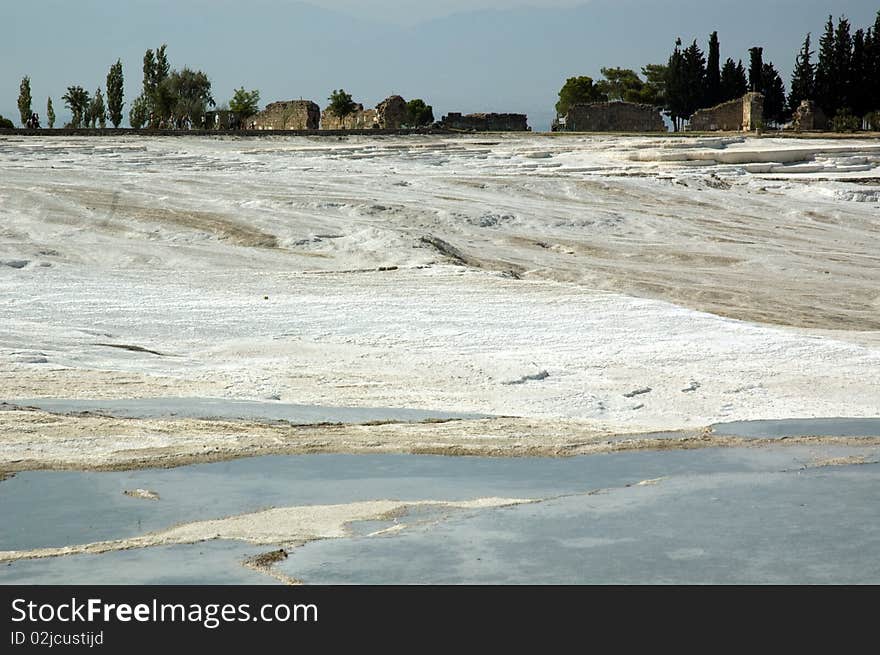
<point>512,60</point>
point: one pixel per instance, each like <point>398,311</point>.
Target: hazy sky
<point>459,55</point>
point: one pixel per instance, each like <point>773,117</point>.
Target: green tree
<point>50,114</point>
<point>163,69</point>
<point>733,81</point>
<point>653,90</point>
<point>97,110</point>
<point>77,101</point>
<point>842,82</point>
<point>155,99</point>
<point>844,121</point>
<point>860,83</point>
<point>823,79</point>
<point>676,87</point>
<point>341,105</point>
<point>115,84</point>
<point>184,93</point>
<point>139,115</point>
<point>801,78</point>
<point>6,124</point>
<point>774,94</point>
<point>245,103</point>
<point>620,84</point>
<point>713,72</point>
<point>756,69</point>
<point>578,90</point>
<point>874,70</point>
<point>24,100</point>
<point>418,114</point>
<point>695,78</point>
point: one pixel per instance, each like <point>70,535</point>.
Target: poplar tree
<point>115,83</point>
<point>50,114</point>
<point>24,100</point>
<point>97,110</point>
<point>802,87</point>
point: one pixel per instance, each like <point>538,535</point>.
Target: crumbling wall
<point>809,116</point>
<point>391,113</point>
<point>614,117</point>
<point>361,119</point>
<point>743,114</point>
<point>287,115</point>
<point>486,122</point>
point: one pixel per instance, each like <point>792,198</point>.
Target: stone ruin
<point>360,119</point>
<point>287,115</point>
<point>391,113</point>
<point>741,115</point>
<point>809,116</point>
<point>388,115</point>
<point>611,117</point>
<point>486,122</point>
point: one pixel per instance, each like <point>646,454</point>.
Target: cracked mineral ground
<point>526,359</point>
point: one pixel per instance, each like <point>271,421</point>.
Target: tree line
<point>172,99</point>
<point>844,82</point>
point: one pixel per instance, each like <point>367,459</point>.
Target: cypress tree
<point>675,86</point>
<point>115,93</point>
<point>50,114</point>
<point>728,81</point>
<point>756,69</point>
<point>859,80</point>
<point>822,81</point>
<point>695,78</point>
<point>842,82</point>
<point>713,72</point>
<point>801,77</point>
<point>875,65</point>
<point>742,83</point>
<point>774,94</point>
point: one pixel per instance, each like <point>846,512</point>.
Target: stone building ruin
<point>391,113</point>
<point>743,114</point>
<point>486,122</point>
<point>287,115</point>
<point>611,117</point>
<point>809,116</point>
<point>359,119</point>
<point>388,115</point>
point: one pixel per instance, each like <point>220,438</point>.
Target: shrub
<point>844,121</point>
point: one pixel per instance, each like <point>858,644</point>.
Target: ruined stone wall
<point>753,111</point>
<point>742,114</point>
<point>361,119</point>
<point>486,122</point>
<point>287,115</point>
<point>391,113</point>
<point>809,116</point>
<point>614,117</point>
